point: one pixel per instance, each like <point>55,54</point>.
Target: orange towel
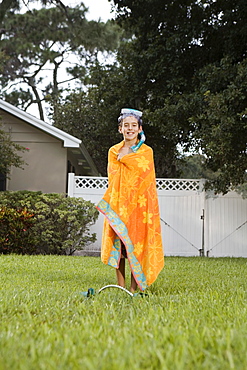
<point>131,210</point>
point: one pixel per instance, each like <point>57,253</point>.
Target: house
<point>51,154</point>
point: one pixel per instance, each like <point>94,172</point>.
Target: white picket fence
<point>193,222</point>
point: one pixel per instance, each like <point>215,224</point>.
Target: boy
<point>130,206</point>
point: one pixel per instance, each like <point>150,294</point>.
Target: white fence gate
<point>193,222</point>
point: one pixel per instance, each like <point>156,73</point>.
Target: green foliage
<point>92,116</point>
<point>187,67</point>
<point>9,153</point>
<point>182,63</point>
<point>193,318</point>
<point>14,231</point>
<point>3,60</point>
<point>45,39</point>
<point>194,167</point>
<point>220,123</point>
<point>7,5</point>
<point>242,189</point>
<point>60,225</point>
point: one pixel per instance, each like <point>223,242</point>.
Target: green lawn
<point>195,316</point>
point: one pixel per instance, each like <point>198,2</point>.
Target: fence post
<point>71,179</point>
<point>203,194</point>
<point>202,250</point>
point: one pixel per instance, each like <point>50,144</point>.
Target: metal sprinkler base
<point>91,292</point>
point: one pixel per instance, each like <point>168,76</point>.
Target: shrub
<point>14,230</point>
<point>61,225</point>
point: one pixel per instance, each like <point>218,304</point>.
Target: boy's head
<point>127,112</point>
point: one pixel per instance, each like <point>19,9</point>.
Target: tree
<point>43,40</point>
<point>15,5</point>
<point>5,6</point>
<point>183,67</point>
<point>221,122</point>
<point>92,115</point>
<point>193,167</point>
<point>175,68</point>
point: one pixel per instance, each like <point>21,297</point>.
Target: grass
<point>194,317</point>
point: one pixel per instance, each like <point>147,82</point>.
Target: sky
<point>97,8</point>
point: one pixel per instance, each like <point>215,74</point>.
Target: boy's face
<point>130,128</point>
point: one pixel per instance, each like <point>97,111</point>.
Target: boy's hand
<point>123,151</point>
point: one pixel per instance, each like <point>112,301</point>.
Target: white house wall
<point>45,160</point>
<point>45,169</point>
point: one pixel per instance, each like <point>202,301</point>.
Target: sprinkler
<point>91,292</point>
<point>116,286</point>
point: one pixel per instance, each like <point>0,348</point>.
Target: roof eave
<point>69,141</point>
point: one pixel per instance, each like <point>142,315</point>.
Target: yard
<point>194,316</point>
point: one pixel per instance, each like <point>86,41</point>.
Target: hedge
<point>37,223</point>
